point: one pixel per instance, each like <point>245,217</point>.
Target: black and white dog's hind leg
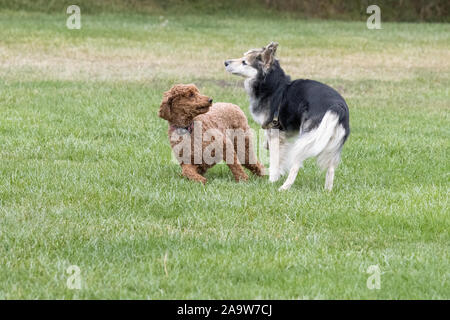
<point>329,158</point>
<point>324,142</point>
<point>273,141</point>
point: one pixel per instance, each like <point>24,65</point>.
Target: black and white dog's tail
<point>324,142</point>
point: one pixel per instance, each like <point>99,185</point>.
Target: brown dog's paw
<point>256,169</point>
<point>241,178</point>
<point>200,179</point>
<point>260,171</point>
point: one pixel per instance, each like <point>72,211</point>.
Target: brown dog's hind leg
<point>237,170</point>
<point>251,163</point>
<point>234,164</point>
<point>190,171</point>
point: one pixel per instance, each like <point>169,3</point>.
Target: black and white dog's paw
<point>274,177</point>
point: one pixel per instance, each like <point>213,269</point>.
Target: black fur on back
<point>301,100</point>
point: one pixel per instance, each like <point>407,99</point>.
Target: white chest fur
<point>258,115</point>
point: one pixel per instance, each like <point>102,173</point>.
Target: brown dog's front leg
<point>251,162</point>
<point>190,171</point>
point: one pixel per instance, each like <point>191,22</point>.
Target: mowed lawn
<point>86,176</point>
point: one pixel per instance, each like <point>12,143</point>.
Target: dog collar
<point>275,123</point>
<point>182,130</point>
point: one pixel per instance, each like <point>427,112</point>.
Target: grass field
<point>86,177</point>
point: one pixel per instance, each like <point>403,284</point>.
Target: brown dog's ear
<point>268,55</point>
<point>164,109</point>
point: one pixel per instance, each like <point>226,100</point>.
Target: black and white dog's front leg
<point>273,137</point>
<point>266,139</point>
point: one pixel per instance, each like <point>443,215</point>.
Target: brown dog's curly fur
<point>182,105</point>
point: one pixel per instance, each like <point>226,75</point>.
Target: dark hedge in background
<point>391,10</point>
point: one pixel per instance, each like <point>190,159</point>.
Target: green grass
<point>86,177</point>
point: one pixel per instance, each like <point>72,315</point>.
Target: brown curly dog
<point>203,134</point>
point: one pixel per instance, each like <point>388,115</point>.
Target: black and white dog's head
<point>253,62</point>
<point>263,76</point>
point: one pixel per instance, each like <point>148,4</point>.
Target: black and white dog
<point>303,118</point>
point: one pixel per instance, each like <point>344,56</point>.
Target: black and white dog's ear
<point>268,55</point>
<point>272,45</point>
